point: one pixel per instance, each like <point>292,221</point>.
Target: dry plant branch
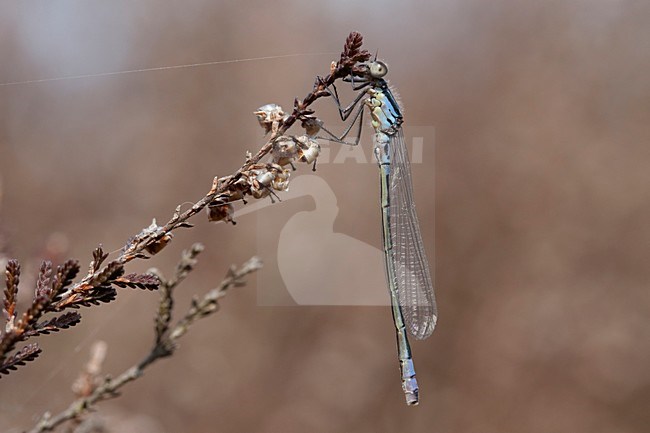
<point>98,288</point>
<point>93,391</point>
<point>57,291</point>
<point>227,189</point>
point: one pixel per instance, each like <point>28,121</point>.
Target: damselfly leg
<point>357,119</point>
<point>345,113</point>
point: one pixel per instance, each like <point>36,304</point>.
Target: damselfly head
<point>377,69</point>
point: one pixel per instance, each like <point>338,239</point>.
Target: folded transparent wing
<point>413,280</point>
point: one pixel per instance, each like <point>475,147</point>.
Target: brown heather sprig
<point>138,281</point>
<point>64,321</point>
<point>65,275</point>
<point>97,286</point>
<point>28,353</point>
<point>236,186</point>
<point>253,179</point>
<point>60,292</point>
<point>91,388</point>
<point>352,52</point>
<point>54,294</point>
<point>57,291</point>
<point>12,278</point>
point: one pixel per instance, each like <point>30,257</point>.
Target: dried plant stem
<point>156,237</point>
<point>339,70</point>
<point>163,347</point>
<point>57,290</point>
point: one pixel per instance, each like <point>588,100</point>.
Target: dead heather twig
<point>97,288</point>
<point>55,293</point>
<point>91,389</point>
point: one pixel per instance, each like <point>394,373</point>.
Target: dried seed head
<point>221,212</point>
<point>265,178</point>
<point>309,149</point>
<point>157,246</point>
<point>284,151</point>
<point>270,116</point>
<point>284,147</point>
<point>259,191</point>
<point>281,180</point>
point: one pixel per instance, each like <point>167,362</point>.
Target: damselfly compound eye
<point>378,69</point>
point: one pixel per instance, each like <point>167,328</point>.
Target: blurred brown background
<point>541,199</point>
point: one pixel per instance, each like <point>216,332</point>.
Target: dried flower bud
<point>284,148</point>
<point>281,180</point>
<point>221,212</point>
<point>160,238</point>
<point>309,149</point>
<point>265,178</point>
<point>260,192</point>
<point>156,246</point>
<point>270,116</point>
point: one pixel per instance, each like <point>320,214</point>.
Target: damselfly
<point>407,269</point>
